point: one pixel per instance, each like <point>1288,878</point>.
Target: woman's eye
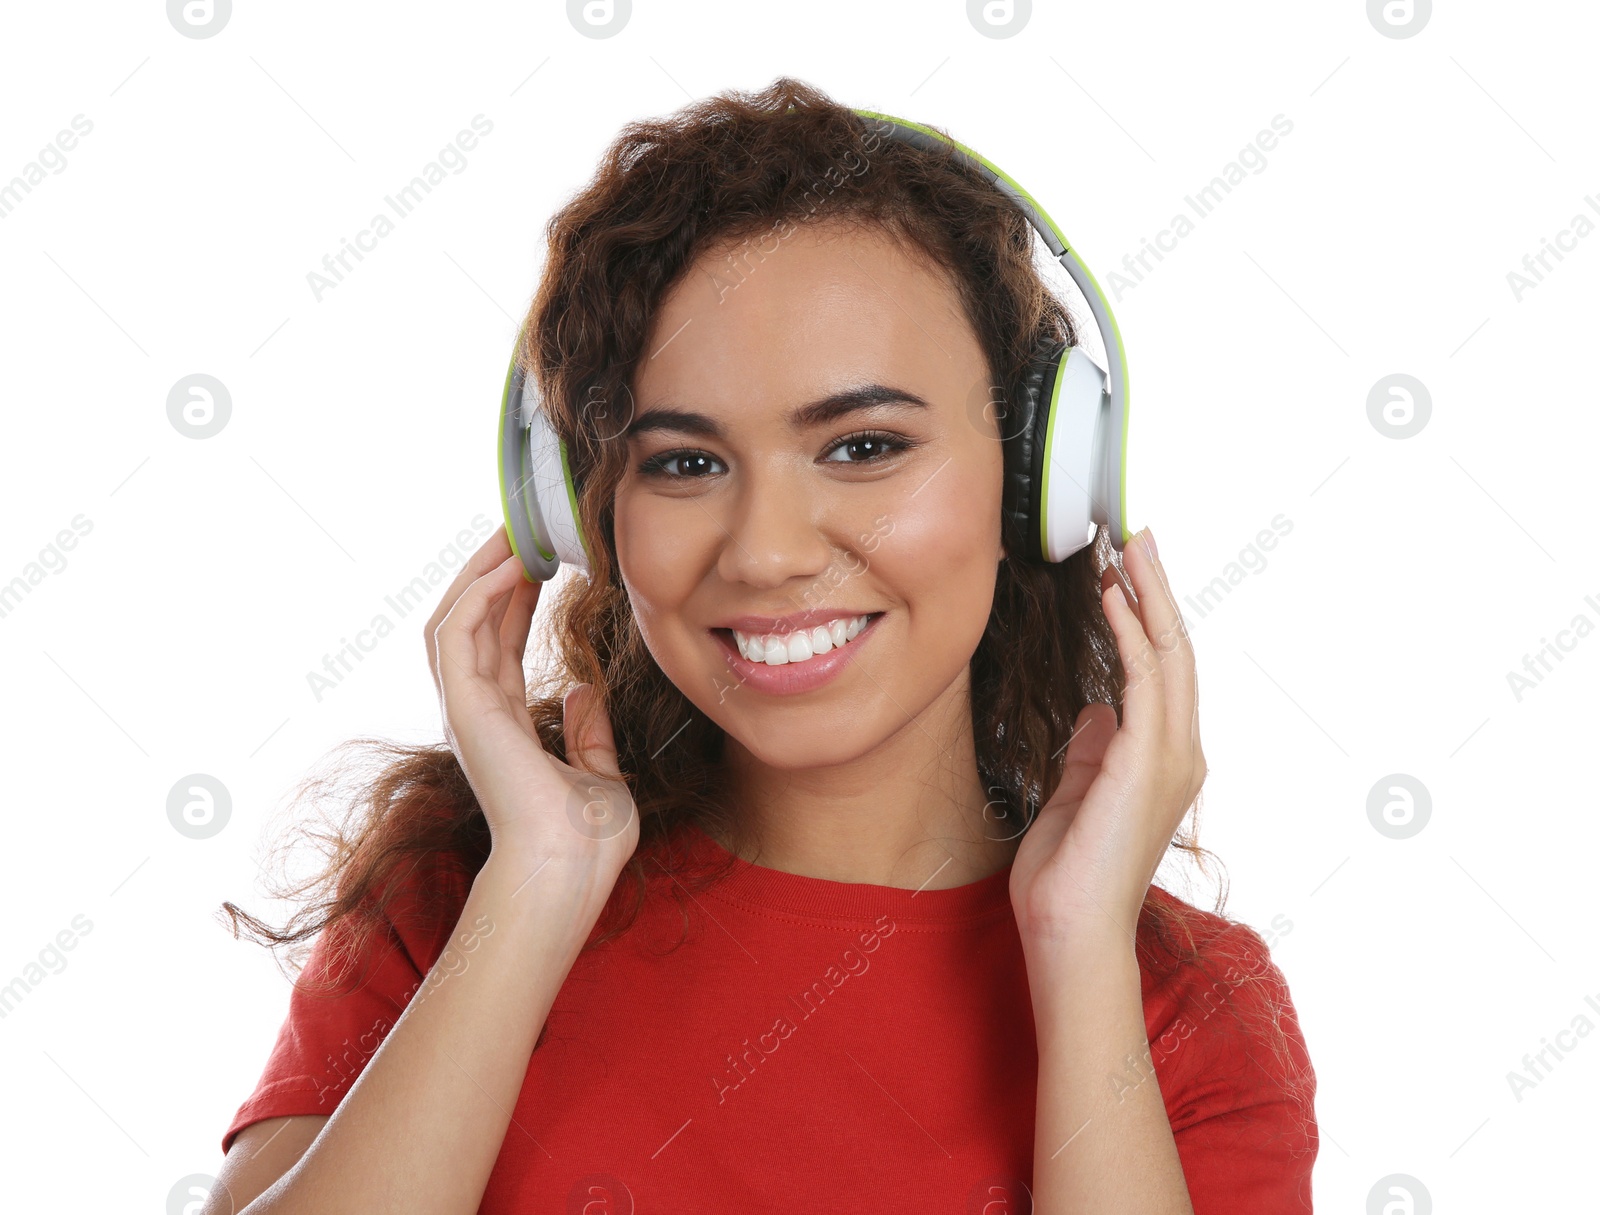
<point>879,444</point>
<point>695,465</point>
<point>656,466</point>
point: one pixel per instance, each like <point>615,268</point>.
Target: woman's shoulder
<point>1181,945</point>
<point>1221,1022</point>
<point>399,927</point>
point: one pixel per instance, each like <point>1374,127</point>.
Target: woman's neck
<point>875,819</point>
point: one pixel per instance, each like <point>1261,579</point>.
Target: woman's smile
<point>785,664</point>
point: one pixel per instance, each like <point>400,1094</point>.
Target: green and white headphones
<point>1065,435</point>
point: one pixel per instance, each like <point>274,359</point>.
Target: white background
<point>1377,639</point>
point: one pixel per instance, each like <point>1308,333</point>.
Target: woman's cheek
<point>652,542</point>
<point>947,530</point>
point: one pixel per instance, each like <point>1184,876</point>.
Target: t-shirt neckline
<point>764,888</point>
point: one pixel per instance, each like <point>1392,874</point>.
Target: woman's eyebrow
<point>815,413</point>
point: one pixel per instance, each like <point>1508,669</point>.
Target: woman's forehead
<point>808,315</point>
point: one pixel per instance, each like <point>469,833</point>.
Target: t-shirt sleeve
<point>326,1039</point>
<point>1240,1104</point>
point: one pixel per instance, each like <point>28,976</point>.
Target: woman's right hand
<point>539,808</point>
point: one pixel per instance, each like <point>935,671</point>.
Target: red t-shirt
<point>814,1044</point>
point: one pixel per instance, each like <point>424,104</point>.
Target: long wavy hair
<point>732,173</point>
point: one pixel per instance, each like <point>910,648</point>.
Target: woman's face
<point>750,511</point>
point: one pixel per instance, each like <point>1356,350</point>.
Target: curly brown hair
<point>729,173</point>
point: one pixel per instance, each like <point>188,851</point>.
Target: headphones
<point>1065,439</point>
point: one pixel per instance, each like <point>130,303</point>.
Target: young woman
<point>696,926</point>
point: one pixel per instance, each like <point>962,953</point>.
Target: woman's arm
<point>422,1126</point>
<point>1100,1143</point>
<point>260,1154</point>
<point>1078,881</point>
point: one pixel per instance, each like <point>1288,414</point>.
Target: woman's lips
<point>790,678</point>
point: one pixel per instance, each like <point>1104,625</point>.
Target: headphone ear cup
<point>1058,466</point>
<point>1023,435</point>
<point>1076,477</point>
<point>536,490</point>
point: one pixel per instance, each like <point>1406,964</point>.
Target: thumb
<point>591,745</point>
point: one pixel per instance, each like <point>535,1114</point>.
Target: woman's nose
<point>772,534</point>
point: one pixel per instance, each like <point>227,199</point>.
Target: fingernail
<point>1149,543</point>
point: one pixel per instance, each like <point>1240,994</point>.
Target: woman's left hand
<point>1085,864</point>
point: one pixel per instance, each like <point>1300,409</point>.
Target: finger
<point>1144,699</point>
<point>1086,751</point>
<point>1163,625</point>
<point>490,634</point>
<point>1112,576</point>
<point>514,628</point>
<point>490,553</point>
<point>457,639</point>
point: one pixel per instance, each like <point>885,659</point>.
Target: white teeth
<point>777,650</point>
<point>798,650</point>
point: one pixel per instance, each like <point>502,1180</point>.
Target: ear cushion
<point>1022,434</point>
